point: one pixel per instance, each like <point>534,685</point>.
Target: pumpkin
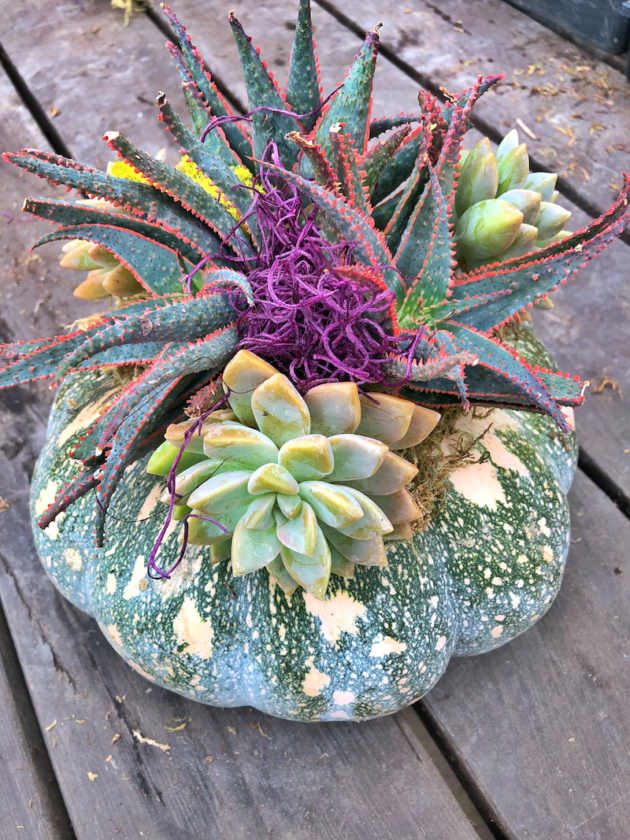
<point>487,567</point>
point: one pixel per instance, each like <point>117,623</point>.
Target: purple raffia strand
<point>217,121</point>
<point>314,323</point>
<point>8,214</point>
<point>153,569</point>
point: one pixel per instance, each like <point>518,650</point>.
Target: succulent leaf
<point>303,91</point>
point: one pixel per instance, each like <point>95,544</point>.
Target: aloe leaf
<point>192,69</point>
<point>205,157</point>
<point>181,188</point>
<point>303,91</point>
<point>154,266</point>
<point>262,89</point>
<point>347,166</point>
<point>129,195</point>
<point>411,196</point>
<point>378,127</point>
<point>71,492</point>
<point>399,167</point>
<point>425,251</point>
<point>376,159</point>
<point>322,171</point>
<point>142,353</point>
<point>183,321</point>
<point>70,213</point>
<point>351,104</point>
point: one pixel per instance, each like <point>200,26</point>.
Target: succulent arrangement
<point>300,296</point>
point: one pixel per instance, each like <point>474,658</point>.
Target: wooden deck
<point>531,741</point>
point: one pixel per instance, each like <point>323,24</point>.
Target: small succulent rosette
<point>302,485</point>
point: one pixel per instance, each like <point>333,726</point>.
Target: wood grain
<point>541,725</point>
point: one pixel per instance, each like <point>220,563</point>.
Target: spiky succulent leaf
<point>352,102</point>
<point>376,158</point>
<point>303,91</point>
<point>192,70</point>
<point>262,89</point>
<point>380,126</point>
<point>133,197</point>
<point>348,169</point>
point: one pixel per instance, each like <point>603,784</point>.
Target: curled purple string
<point>153,570</point>
<point>217,121</point>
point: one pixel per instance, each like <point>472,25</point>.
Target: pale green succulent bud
<point>303,505</point>
<point>507,145</point>
<point>527,201</point>
<point>487,229</point>
<point>513,170</point>
<point>554,196</point>
<point>542,243</point>
<point>551,220</point>
<point>479,177</point>
<point>77,257</point>
<point>524,243</point>
<point>544,303</point>
<point>543,183</point>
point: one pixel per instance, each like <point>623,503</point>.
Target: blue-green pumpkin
<point>487,567</point>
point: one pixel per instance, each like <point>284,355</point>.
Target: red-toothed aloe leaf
<point>484,85</point>
<point>400,166</point>
<point>459,308</point>
<point>41,363</point>
<point>262,89</point>
<point>138,424</point>
<point>225,278</point>
<point>154,266</point>
<point>192,69</point>
<point>443,365</point>
<point>370,249</point>
<point>303,91</point>
<point>425,251</point>
<point>70,213</point>
<point>411,193</point>
<point>181,188</point>
<point>378,127</point>
<point>184,321</point>
<point>139,199</point>
<point>209,354</point>
<point>352,102</point>
<point>212,166</point>
<point>505,363</point>
<point>69,494</point>
<point>347,168</point>
<point>376,159</point>
<point>143,353</point>
<point>382,215</point>
<point>525,280</point>
<point>322,171</point>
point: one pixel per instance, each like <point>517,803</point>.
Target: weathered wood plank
<point>221,774</point>
<point>574,94</point>
<point>585,331</point>
<point>30,802</point>
<point>95,74</point>
<point>541,725</point>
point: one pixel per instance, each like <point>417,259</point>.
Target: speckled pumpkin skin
<point>485,570</point>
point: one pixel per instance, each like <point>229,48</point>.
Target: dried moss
<point>429,486</point>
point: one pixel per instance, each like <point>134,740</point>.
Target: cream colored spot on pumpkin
<point>46,497</point>
<point>522,558</point>
<point>547,554</point>
<point>337,615</point>
<point>114,634</point>
<point>343,698</point>
<point>479,484</point>
<point>110,584</point>
<point>440,643</point>
<point>496,631</point>
<point>387,646</point>
<point>133,587</point>
<point>544,528</point>
<point>515,599</point>
<point>193,631</point>
<point>141,671</point>
<point>151,501</point>
<point>314,681</point>
<point>73,559</point>
<point>501,456</point>
<point>340,715</point>
<point>85,417</point>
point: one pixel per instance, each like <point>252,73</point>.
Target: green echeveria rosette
<point>303,486</point>
<point>502,209</point>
